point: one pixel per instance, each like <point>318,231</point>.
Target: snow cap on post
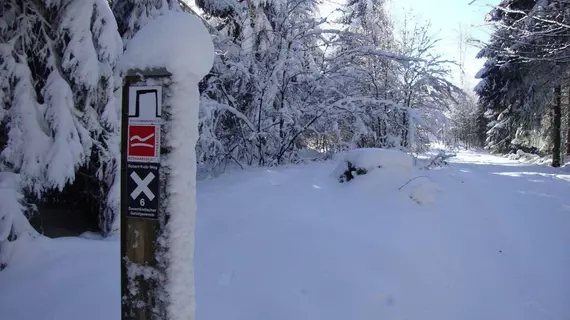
<point>177,41</point>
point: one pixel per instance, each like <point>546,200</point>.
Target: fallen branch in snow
<point>439,159</point>
<point>400,188</point>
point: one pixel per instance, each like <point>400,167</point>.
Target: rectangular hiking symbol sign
<point>143,143</point>
<point>145,104</point>
<point>142,190</point>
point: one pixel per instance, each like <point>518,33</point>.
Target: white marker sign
<point>145,104</point>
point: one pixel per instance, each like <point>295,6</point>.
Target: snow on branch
<point>369,50</point>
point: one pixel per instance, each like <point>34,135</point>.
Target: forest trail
<point>293,243</point>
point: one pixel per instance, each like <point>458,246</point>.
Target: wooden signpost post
<point>142,195</point>
<point>160,109</point>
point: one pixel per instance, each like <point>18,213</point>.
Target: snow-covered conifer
<point>59,59</point>
<point>132,15</point>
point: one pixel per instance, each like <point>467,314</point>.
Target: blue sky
<point>446,17</point>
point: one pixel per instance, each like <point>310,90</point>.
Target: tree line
<point>285,80</point>
<point>522,96</point>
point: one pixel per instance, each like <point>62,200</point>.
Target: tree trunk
<point>568,121</point>
<point>405,133</point>
<point>556,126</point>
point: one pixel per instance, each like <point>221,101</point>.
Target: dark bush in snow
<point>351,172</point>
<point>361,161</point>
<point>532,150</point>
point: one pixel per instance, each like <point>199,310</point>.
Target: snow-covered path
<point>511,240</point>
<point>292,243</point>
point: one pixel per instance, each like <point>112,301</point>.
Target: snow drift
<point>370,158</point>
<point>386,170</point>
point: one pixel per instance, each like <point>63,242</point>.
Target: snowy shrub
<point>361,161</point>
<point>13,211</point>
<point>516,148</point>
<point>351,172</point>
<point>58,110</point>
<point>523,156</point>
<point>439,160</point>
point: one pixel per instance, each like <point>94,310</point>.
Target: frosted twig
<point>400,188</point>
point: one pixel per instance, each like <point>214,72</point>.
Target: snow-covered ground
<point>294,243</point>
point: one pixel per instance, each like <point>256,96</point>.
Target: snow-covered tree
<point>132,15</point>
<point>367,33</point>
<point>425,84</point>
<point>282,82</point>
<point>57,60</point>
<point>257,101</point>
<point>464,125</point>
<point>525,61</point>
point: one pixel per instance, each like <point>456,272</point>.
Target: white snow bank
<point>370,158</point>
<point>525,157</point>
<point>424,192</point>
<point>63,279</point>
<point>178,41</point>
<point>310,155</point>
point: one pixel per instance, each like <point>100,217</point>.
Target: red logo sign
<point>142,141</point>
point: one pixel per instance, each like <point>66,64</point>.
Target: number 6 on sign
<point>142,188</point>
